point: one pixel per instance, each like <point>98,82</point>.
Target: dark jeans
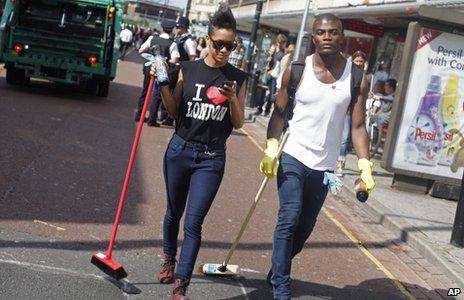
<point>301,194</point>
<point>192,171</point>
<point>155,101</point>
<point>271,85</point>
<point>346,136</point>
<point>123,49</point>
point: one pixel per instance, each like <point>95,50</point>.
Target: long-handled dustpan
<point>225,268</point>
<point>105,261</point>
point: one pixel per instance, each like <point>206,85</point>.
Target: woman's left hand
<point>229,92</point>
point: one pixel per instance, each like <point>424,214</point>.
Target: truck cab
<point>68,41</point>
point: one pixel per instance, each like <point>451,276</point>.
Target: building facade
<point>201,10</point>
<point>151,12</point>
<point>377,27</point>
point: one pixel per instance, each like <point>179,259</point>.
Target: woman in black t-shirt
<point>207,103</point>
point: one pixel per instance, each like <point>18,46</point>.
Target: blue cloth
<point>301,194</point>
<point>332,181</point>
<point>194,171</point>
<point>346,136</point>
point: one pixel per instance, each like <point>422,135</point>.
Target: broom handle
<point>125,185</point>
<point>253,206</point>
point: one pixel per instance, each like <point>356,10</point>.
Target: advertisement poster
<point>431,133</point>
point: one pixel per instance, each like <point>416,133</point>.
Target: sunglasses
<point>219,44</point>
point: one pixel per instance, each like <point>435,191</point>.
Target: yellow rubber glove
<point>365,166</point>
<point>267,166</point>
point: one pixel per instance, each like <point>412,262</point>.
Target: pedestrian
<point>207,103</point>
<point>275,56</point>
<point>323,96</point>
<point>201,44</point>
<point>359,58</point>
<point>185,42</point>
<point>236,57</point>
<point>168,49</point>
<point>380,74</point>
<point>285,63</point>
<point>383,104</point>
<point>126,39</point>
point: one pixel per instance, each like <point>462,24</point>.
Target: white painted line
<point>244,292</point>
<point>250,271</point>
<point>56,270</point>
<point>50,225</point>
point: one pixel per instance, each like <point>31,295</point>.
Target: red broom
<point>105,261</point>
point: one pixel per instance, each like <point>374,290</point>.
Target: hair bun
<point>222,18</point>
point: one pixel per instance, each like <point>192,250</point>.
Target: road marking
<point>250,271</point>
<point>244,292</point>
<point>50,225</point>
<point>366,252</point>
<point>352,238</point>
<point>252,139</point>
<point>38,267</point>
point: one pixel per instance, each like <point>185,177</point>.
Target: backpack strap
<point>356,79</point>
<point>296,72</point>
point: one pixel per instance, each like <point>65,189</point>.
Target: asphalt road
<point>63,156</point>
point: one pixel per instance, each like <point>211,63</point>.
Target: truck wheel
<point>16,76</point>
<point>10,75</point>
<point>103,88</point>
<point>91,86</point>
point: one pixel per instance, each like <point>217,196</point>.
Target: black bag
<point>295,78</point>
<point>160,46</point>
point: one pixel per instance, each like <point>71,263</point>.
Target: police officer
<point>164,45</point>
<point>185,42</point>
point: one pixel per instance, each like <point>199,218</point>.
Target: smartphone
<point>228,83</point>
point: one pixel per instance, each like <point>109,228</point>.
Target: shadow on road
<point>370,289</point>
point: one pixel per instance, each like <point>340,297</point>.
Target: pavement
<point>422,221</point>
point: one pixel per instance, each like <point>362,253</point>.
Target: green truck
<point>67,41</point>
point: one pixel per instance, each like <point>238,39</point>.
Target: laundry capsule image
<point>424,140</point>
<point>450,111</point>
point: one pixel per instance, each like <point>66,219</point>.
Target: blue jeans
<point>346,136</point>
<point>192,171</point>
<point>301,194</point>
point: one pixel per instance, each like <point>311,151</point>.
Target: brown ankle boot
<point>166,274</point>
<point>179,290</point>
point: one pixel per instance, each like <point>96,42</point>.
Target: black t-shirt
<point>204,113</point>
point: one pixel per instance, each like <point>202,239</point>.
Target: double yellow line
<point>353,239</point>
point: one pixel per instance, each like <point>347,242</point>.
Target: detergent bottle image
<point>424,140</point>
<point>450,112</point>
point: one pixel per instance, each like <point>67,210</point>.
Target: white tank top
<point>318,119</point>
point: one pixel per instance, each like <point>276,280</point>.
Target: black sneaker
<point>258,112</point>
<point>168,122</point>
<point>268,279</point>
<point>152,123</point>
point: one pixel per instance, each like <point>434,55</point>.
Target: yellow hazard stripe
<point>252,139</point>
<point>352,238</point>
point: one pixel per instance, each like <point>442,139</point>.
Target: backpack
<point>180,41</point>
<point>295,77</point>
<point>161,46</point>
